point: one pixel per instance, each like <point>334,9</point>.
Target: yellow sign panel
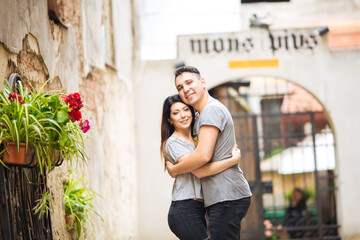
<point>254,63</point>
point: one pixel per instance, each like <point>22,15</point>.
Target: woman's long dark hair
<point>166,128</point>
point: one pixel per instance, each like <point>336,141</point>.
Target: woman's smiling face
<point>180,116</point>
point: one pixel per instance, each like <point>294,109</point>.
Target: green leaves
<point>42,205</point>
<point>78,202</point>
<point>41,120</point>
<point>62,117</point>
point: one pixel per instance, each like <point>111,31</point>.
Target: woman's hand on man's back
<point>236,153</point>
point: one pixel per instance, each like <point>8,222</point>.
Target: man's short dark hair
<point>189,69</point>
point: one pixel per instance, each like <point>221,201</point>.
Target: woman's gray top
<point>186,186</point>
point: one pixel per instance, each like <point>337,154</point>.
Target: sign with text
<point>254,44</point>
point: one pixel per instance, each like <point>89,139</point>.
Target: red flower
<point>13,96</point>
<point>74,115</point>
<point>73,100</point>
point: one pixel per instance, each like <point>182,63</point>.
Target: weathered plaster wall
<point>112,169</point>
<point>35,47</point>
<point>153,84</point>
<point>30,65</point>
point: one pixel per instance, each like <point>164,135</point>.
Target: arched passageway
<point>287,144</point>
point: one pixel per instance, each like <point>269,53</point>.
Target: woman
<point>186,216</point>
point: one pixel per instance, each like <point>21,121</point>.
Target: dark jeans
<point>186,220</point>
<point>225,218</point>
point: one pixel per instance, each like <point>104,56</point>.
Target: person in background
<point>296,215</point>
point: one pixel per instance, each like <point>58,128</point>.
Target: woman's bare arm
<point>210,168</point>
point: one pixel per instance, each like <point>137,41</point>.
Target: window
<point>107,33</point>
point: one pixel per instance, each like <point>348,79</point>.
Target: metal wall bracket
<point>14,81</point>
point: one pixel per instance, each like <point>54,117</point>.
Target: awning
<point>300,159</point>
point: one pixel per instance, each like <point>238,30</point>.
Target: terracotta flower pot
<point>12,156</point>
<point>69,221</point>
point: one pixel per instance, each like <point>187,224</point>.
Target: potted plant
<point>18,127</point>
<point>49,122</point>
<point>46,125</point>
<point>78,204</point>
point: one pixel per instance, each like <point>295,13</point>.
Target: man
<point>227,194</point>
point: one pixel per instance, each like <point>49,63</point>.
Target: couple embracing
<point>201,154</point>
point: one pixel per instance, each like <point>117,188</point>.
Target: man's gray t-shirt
<point>186,186</point>
<point>231,183</point>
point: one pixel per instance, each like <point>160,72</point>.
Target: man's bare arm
<point>218,166</point>
<point>201,155</point>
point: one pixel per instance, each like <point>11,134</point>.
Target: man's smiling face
<point>190,87</point>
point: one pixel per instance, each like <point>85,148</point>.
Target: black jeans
<point>186,220</point>
<point>225,218</point>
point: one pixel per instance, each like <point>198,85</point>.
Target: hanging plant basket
<point>49,124</point>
